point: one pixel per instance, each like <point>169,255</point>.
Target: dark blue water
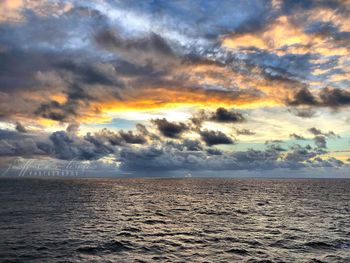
<point>174,220</point>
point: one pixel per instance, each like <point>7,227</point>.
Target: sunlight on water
<point>174,220</point>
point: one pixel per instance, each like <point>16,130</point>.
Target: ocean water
<point>174,220</point>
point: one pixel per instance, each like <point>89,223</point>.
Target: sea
<point>174,220</point>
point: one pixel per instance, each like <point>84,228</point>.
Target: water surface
<point>174,220</point>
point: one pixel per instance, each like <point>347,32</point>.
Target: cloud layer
<point>237,70</point>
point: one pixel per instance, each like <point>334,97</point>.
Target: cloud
<point>20,128</point>
<point>320,138</point>
<point>297,137</point>
<point>130,137</point>
<point>107,137</point>
<point>158,155</point>
<point>58,112</point>
<point>223,115</point>
<point>215,137</point>
<point>244,132</point>
<point>170,129</point>
<point>88,62</point>
<point>316,132</point>
<point>169,158</point>
<point>327,97</point>
<point>68,147</point>
<point>303,97</point>
<point>13,143</point>
<point>320,141</point>
<point>335,97</point>
<point>303,112</point>
<point>151,49</point>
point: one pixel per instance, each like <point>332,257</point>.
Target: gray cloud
<point>160,155</point>
<point>14,143</point>
<point>244,132</point>
<point>297,137</point>
<point>215,137</point>
<point>170,129</point>
<point>226,116</point>
<point>56,111</point>
<point>69,147</point>
<point>316,132</point>
<point>130,137</point>
<point>89,55</point>
<point>320,141</point>
<point>327,97</point>
<point>20,128</point>
<point>221,115</point>
<point>152,49</point>
<point>303,112</point>
<point>167,158</point>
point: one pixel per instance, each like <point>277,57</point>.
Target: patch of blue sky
<point>118,124</point>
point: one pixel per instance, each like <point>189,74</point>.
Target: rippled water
<point>174,220</point>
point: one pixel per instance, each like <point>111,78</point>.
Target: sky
<point>177,87</point>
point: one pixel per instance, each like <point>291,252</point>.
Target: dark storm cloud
<point>56,111</point>
<point>67,144</point>
<point>23,144</point>
<point>159,156</point>
<point>335,97</point>
<point>327,97</point>
<point>167,158</point>
<point>299,154</point>
<point>70,147</point>
<point>170,129</point>
<point>42,44</point>
<point>192,145</point>
<point>102,51</point>
<point>215,137</point>
<point>87,74</point>
<point>130,137</point>
<point>120,138</point>
<point>303,97</point>
<point>226,116</point>
<point>40,72</point>
<point>41,55</point>
<point>19,68</point>
<point>221,115</point>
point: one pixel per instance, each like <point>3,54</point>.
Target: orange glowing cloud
<point>164,98</point>
<point>279,34</point>
<point>283,37</point>
<point>9,10</point>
